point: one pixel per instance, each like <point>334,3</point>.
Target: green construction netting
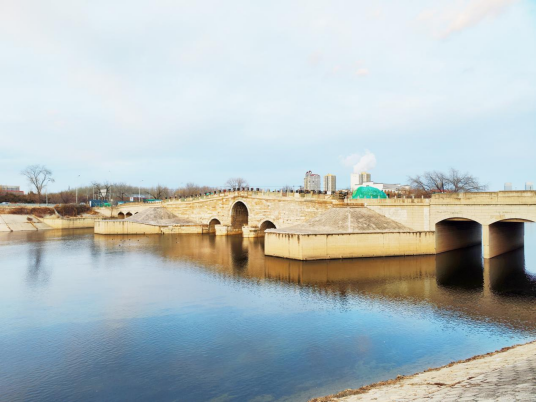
<point>368,192</point>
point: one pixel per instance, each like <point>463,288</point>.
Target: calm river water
<point>197,318</point>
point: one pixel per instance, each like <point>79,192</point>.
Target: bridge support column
<point>227,230</point>
<point>251,231</point>
<point>501,237</point>
<point>452,235</point>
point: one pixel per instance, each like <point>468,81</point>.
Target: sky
<point>169,92</point>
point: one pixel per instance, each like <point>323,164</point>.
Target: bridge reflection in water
<point>457,282</point>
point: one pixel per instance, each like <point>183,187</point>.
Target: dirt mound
<point>347,220</point>
<point>158,217</point>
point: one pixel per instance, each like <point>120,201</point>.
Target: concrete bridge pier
<point>226,230</point>
<point>455,234</point>
<point>502,237</point>
<point>251,231</point>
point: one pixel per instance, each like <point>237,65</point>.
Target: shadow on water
<point>508,277</point>
<point>461,269</point>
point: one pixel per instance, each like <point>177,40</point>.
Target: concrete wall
<point>351,245</point>
<point>123,227</point>
<point>413,213</point>
<point>69,223</point>
<point>452,235</point>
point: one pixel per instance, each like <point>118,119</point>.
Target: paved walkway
<point>508,375</point>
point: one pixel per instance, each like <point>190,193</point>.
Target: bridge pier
<point>226,230</point>
<point>455,234</point>
<point>502,237</point>
<point>251,231</point>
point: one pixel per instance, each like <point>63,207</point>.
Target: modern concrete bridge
<point>493,219</point>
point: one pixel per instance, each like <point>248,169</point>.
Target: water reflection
<point>198,317</point>
<point>507,275</point>
<point>36,274</point>
<point>461,269</point>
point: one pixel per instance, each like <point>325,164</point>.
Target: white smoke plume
<point>360,162</point>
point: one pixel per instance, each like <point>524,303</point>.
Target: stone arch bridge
<point>493,219</point>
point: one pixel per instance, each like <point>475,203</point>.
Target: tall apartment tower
<point>311,181</point>
<point>330,183</point>
<point>365,177</point>
<point>529,186</point>
<point>357,179</point>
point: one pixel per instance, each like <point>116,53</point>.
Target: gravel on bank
<point>472,372</point>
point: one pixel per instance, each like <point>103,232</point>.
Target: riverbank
<point>507,374</point>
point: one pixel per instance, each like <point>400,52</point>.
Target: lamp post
<point>46,192</point>
<point>77,179</point>
<point>139,191</point>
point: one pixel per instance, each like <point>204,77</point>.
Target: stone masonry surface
<point>508,375</point>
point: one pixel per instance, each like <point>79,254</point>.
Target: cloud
<point>362,71</point>
<point>472,13</point>
<point>360,163</point>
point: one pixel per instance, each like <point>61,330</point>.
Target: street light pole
<point>77,189</point>
<point>139,191</point>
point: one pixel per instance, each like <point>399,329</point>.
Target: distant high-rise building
<point>529,186</point>
<point>311,181</point>
<point>507,186</point>
<point>358,179</point>
<point>330,183</point>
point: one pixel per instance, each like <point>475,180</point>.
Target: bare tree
<point>38,176</point>
<point>193,189</point>
<point>67,197</point>
<point>463,182</point>
<point>159,192</point>
<point>438,182</point>
<point>236,182</point>
<point>103,191</point>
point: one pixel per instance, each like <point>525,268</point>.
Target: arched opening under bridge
<point>503,236</point>
<point>239,215</point>
<point>212,225</point>
<point>456,233</point>
<point>266,225</point>
<point>128,215</point>
<point>121,215</point>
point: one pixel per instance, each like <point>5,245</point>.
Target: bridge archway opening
<point>212,225</point>
<point>266,225</point>
<point>239,215</point>
<point>128,215</point>
<point>504,236</point>
<point>456,233</point>
<point>121,215</point>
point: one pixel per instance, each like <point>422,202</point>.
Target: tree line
<point>39,177</point>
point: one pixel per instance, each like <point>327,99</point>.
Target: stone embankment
<point>506,375</point>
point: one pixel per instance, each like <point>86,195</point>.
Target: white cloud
<point>461,15</point>
<point>360,162</point>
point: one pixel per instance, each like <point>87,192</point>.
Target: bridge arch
<point>266,224</point>
<point>212,225</point>
<point>128,215</point>
<point>121,215</point>
<point>504,235</point>
<point>239,215</point>
<point>455,233</point>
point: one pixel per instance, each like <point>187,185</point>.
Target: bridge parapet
<point>489,198</point>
